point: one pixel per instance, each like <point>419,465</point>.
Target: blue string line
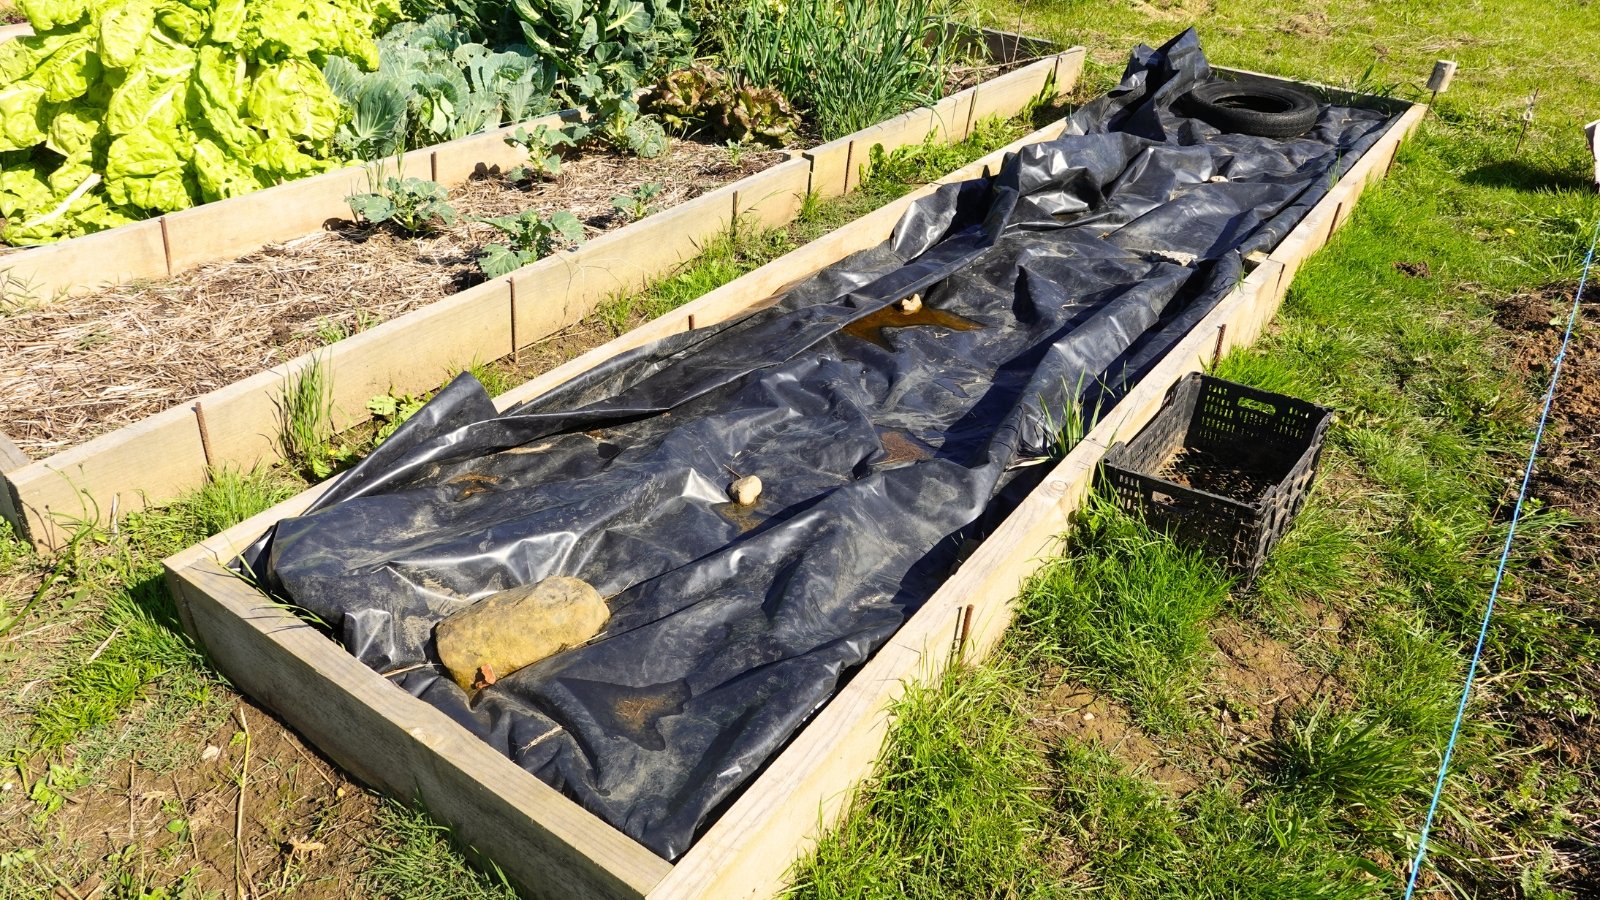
<point>1505,554</point>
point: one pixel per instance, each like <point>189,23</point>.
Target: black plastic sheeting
<point>882,446</point>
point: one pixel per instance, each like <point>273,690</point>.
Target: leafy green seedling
<point>533,237</point>
<point>542,145</point>
<point>414,205</point>
<point>636,203</point>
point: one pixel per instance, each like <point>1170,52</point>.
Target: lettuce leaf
<point>123,109</point>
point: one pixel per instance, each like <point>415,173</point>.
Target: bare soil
<point>265,812</point>
<point>1071,710</point>
<point>84,367</point>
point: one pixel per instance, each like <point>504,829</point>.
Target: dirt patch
<point>302,828</point>
<point>1259,683</point>
<point>87,366</point>
<point>1565,477</point>
<point>1071,710</point>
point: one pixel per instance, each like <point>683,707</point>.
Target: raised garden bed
<point>157,456</point>
<point>548,844</point>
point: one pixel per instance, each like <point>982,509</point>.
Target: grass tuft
<point>1125,610</point>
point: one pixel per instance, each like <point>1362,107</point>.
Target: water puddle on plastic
<point>870,328</point>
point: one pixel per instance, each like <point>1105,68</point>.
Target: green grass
<point>1125,610</point>
<point>414,859</point>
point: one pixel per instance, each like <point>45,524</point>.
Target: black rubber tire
<point>1264,110</point>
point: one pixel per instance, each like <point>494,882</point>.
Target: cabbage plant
<point>117,111</point>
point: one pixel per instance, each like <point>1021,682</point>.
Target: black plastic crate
<point>1222,466</point>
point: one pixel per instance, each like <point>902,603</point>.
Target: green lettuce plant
<point>117,110</point>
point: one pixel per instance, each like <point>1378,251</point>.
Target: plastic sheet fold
<point>884,440</point>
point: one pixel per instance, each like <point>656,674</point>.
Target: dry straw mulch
<point>86,366</point>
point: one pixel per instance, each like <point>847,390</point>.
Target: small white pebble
<point>746,491</point>
<point>1217,179</point>
<point>1088,717</point>
<point>8,787</point>
<point>212,751</point>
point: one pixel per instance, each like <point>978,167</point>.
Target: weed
<point>1347,759</point>
<point>1125,610</point>
<point>390,411</point>
<point>635,204</point>
<point>305,412</point>
<point>952,811</point>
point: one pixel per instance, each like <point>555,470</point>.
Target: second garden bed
<point>239,424</point>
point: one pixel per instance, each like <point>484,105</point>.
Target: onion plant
<point>846,64</point>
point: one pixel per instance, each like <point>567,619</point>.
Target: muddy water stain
<point>745,518</point>
<point>633,712</point>
<point>871,327</point>
<point>900,447</point>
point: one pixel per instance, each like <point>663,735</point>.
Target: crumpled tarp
<point>882,447</point>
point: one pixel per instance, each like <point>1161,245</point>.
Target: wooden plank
<point>747,851</point>
<point>391,740</point>
<point>892,134</point>
<point>618,262</point>
<point>773,198</point>
<point>1006,95</point>
<point>134,252</point>
<point>227,229</point>
<point>479,154</point>
<point>126,470</point>
<point>10,456</point>
<point>952,116</point>
<point>829,164</point>
<point>1069,68</point>
<point>11,459</point>
<point>760,288</point>
<point>421,350</point>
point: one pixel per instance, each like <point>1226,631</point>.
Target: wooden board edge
<point>544,841</point>
<point>749,850</point>
<point>758,288</point>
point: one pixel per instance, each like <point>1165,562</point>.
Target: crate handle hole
<point>1258,406</point>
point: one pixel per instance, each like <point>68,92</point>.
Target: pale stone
<point>911,304</point>
<point>518,627</point>
<point>746,491</point>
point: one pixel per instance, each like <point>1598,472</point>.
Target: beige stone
<point>518,627</point>
<point>746,491</point>
<point>911,304</point>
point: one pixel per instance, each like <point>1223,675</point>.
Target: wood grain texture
<point>773,198</point>
<point>134,252</point>
<point>829,163</point>
<point>126,470</point>
<point>1006,95</point>
<point>892,134</point>
<point>10,456</point>
<point>387,738</point>
<point>952,116</point>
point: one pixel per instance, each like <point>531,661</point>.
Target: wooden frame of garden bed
<point>547,844</point>
<point>159,457</point>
